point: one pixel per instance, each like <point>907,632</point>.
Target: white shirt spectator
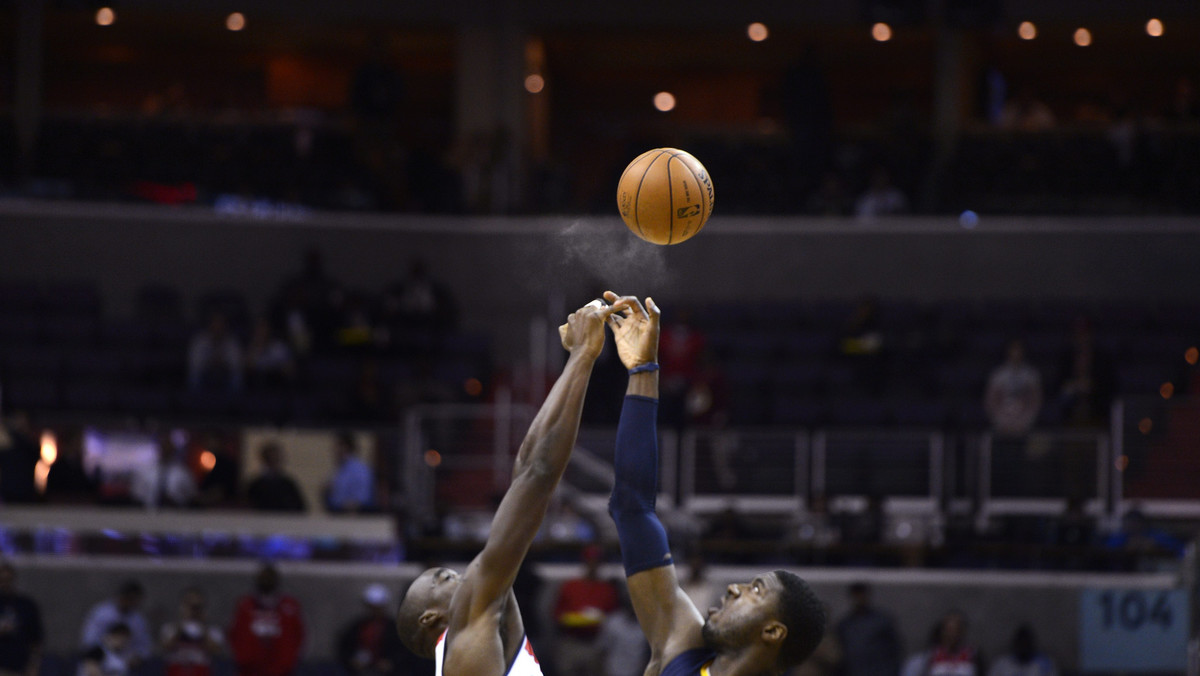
<point>105,614</point>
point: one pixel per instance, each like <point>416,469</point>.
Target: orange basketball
<point>665,196</point>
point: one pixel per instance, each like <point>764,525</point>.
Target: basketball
<point>665,196</point>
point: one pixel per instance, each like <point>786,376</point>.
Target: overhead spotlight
<point>881,32</point>
<point>757,31</point>
<point>1083,37</point>
<point>1027,31</point>
<point>535,83</point>
<point>235,22</point>
<point>105,16</point>
<point>1154,28</point>
<point>664,101</point>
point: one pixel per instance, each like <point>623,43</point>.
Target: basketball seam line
<point>670,203</point>
<point>637,196</point>
<point>700,187</point>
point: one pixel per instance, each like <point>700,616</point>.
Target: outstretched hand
<point>635,329</point>
<point>584,331</point>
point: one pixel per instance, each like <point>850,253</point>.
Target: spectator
<point>830,199</point>
<point>111,655</point>
<point>949,654</point>
<point>21,632</point>
<point>369,645</point>
<point>269,362</point>
<point>681,347</point>
<point>352,488</point>
<point>189,644</point>
<point>19,455</point>
<point>564,523</point>
<point>123,609</point>
<point>419,302</point>
<point>699,587</point>
<point>881,197</point>
<point>1088,384</point>
<point>1139,536</point>
<point>583,604</point>
<point>622,643</point>
<point>215,358</point>
<point>1025,658</point>
<point>267,630</point>
<point>167,482</point>
<point>826,660</point>
<point>861,344</point>
<point>305,305</point>
<point>1026,113</point>
<point>1014,394</point>
<point>68,481</point>
<point>868,637</point>
<point>273,490</point>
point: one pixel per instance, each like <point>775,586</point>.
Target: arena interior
<point>280,283</point>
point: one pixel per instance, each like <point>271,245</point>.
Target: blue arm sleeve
<point>643,538</point>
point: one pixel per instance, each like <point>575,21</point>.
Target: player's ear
<point>429,618</point>
<point>774,632</point>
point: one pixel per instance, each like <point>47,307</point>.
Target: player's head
<point>424,610</point>
<point>777,611</point>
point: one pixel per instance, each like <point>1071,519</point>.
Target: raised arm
<point>668,618</point>
<point>541,460</point>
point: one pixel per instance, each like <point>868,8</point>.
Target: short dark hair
<point>802,613</point>
<point>119,628</point>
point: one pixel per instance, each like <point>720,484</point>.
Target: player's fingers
<point>562,332</point>
<point>615,320</point>
<point>655,313</point>
<point>610,296</point>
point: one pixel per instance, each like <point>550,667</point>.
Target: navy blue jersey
<point>689,663</point>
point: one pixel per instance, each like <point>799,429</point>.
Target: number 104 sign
<point>1133,630</point>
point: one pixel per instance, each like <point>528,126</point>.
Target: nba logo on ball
<point>665,196</point>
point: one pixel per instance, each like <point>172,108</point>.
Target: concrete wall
<point>505,271</point>
<point>994,602</point>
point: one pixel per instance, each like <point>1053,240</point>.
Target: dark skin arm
<point>540,462</point>
<point>667,616</point>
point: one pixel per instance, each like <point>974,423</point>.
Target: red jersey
<point>266,635</point>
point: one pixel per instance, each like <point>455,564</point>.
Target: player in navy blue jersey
<point>764,626</point>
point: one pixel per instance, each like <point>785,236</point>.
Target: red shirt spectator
<point>267,631</point>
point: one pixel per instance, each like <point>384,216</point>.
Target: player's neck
<point>745,663</point>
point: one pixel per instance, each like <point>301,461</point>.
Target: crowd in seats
<point>897,363</point>
<point>333,355</point>
<point>285,167</point>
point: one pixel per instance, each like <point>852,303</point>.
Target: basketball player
<point>763,626</point>
<point>469,623</point>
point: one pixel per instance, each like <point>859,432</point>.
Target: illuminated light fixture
<point>1083,37</point>
<point>49,446</point>
<point>1154,28</point>
<point>1027,31</point>
<point>208,461</point>
<point>1192,355</point>
<point>1145,425</point>
<point>1123,462</point>
<point>881,32</point>
<point>433,458</point>
<point>1167,390</point>
<point>105,16</point>
<point>235,22</point>
<point>473,387</point>
<point>535,83</point>
<point>757,31</point>
<point>664,101</point>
